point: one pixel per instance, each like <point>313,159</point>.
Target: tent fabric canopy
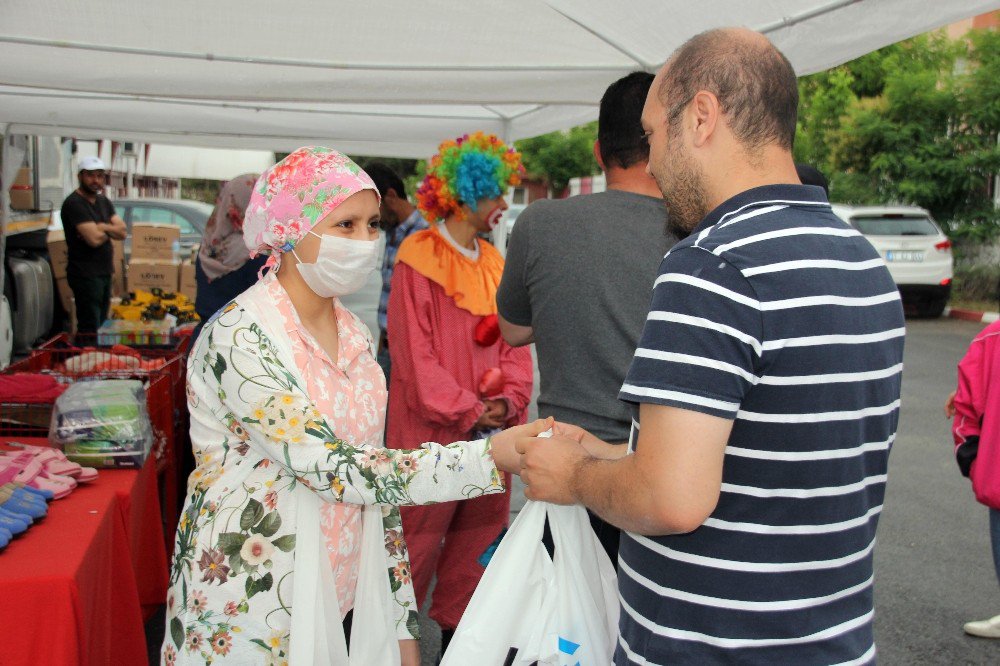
<point>390,78</point>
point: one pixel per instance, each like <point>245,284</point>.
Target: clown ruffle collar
<point>471,284</point>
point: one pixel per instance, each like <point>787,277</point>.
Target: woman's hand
<point>409,652</point>
<point>502,444</point>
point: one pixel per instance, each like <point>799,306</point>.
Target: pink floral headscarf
<point>291,197</point>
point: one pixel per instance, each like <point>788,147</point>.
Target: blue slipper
<point>13,525</point>
<point>5,537</point>
<point>28,507</point>
<point>20,517</point>
<point>40,492</point>
<point>28,496</point>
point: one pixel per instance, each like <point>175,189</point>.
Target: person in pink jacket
<point>976,431</point>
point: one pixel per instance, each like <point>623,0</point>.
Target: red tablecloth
<point>74,586</point>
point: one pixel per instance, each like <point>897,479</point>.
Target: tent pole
<point>789,21</point>
<point>4,204</point>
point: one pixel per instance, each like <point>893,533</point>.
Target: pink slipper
<point>55,462</point>
<point>30,472</point>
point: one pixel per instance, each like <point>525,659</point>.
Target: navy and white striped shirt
<point>778,315</point>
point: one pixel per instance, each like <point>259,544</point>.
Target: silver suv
<point>916,251</point>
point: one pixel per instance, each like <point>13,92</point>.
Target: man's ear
<point>597,154</point>
<point>706,115</point>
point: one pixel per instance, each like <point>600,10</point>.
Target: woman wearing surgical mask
<point>290,526</point>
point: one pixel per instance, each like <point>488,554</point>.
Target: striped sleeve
<point>701,344</point>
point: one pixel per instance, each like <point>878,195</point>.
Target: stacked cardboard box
<point>154,263</point>
<point>148,275</point>
<point>22,193</point>
<point>187,284</point>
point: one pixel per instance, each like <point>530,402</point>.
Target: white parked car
<point>915,249</point>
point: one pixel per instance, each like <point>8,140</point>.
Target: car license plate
<point>900,255</point>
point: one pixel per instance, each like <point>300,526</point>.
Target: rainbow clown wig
<point>464,171</point>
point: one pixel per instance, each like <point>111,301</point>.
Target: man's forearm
<point>115,229</point>
<point>617,492</point>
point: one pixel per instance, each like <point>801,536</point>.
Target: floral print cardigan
<point>257,439</point>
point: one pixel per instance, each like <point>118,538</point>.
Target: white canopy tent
<point>389,77</point>
<point>385,77</point>
<point>172,161</point>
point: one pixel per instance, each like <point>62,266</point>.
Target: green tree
<point>405,168</point>
<point>200,189</point>
<point>914,123</point>
<point>558,156</point>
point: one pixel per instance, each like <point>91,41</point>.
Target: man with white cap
<point>91,223</point>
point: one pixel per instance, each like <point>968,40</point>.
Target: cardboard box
<point>22,193</point>
<point>58,253</point>
<point>147,275</point>
<point>187,284</point>
<point>158,242</point>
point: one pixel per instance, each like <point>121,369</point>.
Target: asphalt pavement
<point>933,566</point>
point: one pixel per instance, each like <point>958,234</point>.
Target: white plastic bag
<point>531,608</point>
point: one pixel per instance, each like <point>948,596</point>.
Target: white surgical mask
<point>342,265</point>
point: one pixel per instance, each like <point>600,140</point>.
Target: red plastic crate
<point>54,353</point>
<point>161,384</point>
<point>177,342</point>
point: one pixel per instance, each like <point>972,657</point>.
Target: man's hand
<point>502,444</point>
<point>595,446</point>
<point>548,467</point>
<point>116,229</point>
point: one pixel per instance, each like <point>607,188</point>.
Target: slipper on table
<point>56,462</point>
<point>29,471</point>
<point>10,501</point>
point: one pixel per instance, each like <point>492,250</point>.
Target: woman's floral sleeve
<point>403,602</point>
<point>260,400</point>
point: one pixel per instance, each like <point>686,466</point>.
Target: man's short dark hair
<point>385,179</point>
<point>619,129</point>
<point>810,175</point>
<point>753,80</point>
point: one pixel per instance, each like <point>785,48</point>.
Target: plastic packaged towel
<point>103,423</point>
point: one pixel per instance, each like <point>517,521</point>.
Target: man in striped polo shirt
<point>766,385</point>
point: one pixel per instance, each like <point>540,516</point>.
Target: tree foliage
<point>913,123</point>
<point>558,156</point>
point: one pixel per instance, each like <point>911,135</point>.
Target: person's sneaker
<point>984,628</point>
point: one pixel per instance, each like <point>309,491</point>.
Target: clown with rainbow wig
<point>453,376</point>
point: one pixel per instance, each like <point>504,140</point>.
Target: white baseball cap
<point>92,164</point>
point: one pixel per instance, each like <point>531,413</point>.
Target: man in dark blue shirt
<point>400,218</point>
<point>766,391</point>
